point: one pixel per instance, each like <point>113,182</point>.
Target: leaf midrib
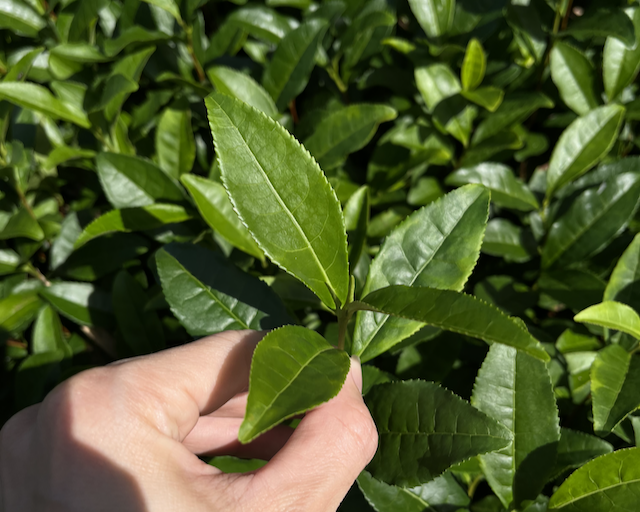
<point>599,490</point>
<point>328,282</point>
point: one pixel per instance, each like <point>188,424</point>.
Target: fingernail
<point>356,372</point>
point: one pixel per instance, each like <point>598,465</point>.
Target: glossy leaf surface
<point>408,426</point>
<point>623,285</point>
<point>420,252</point>
<point>81,302</point>
<point>305,231</point>
<point>308,372</point>
<point>613,315</point>
<point>474,66</point>
<point>240,85</point>
<point>620,62</point>
<point>435,16</point>
<point>574,76</point>
<point>175,144</point>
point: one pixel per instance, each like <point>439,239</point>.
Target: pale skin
<point>125,437</point>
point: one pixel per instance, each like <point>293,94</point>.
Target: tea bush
<point>445,188</point>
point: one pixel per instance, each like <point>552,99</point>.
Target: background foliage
<point>115,227</point>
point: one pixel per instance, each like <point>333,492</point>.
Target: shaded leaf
<point>576,448</point>
<point>305,233</point>
<point>17,311</point>
<point>82,303</point>
<point>506,240</point>
<point>416,443</point>
<point>293,370</point>
<point>623,285</point>
<point>603,23</point>
<point>620,62</point>
<point>356,218</point>
<point>175,144</point>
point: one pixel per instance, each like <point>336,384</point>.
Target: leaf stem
<point>473,486</point>
<point>196,63</point>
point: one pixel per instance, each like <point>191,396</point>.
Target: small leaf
<point>262,22</point>
<point>506,189</point>
<point>621,63</point>
<point>345,131</point>
<point>416,441</point>
<point>132,219</point>
<point>130,36</point>
<point>175,144</point>
<point>474,65</point>
<point>583,144</point>
<point>168,5</point>
<point>603,23</point>
<point>487,97</point>
<point>508,241</point>
<point>22,224</point>
<point>17,311</point>
<point>613,315</point>
<point>437,246</point>
<point>297,221</point>
<point>577,448</point>
<point>288,71</point>
<point>130,181</point>
<point>208,294</point>
<point>82,303</point>
<point>574,76</point>
<point>140,329</point>
<point>9,261</point>
<point>47,333</point>
<point>36,97</point>
<point>515,389</point>
<point>610,482</point>
<point>436,82</point>
<point>356,218</point>
<point>453,311</point>
<point>624,283</point>
<point>592,220</point>
<point>241,86</point>
<point>293,370</point>
<point>435,16</point>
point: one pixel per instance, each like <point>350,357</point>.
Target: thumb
<point>327,451</point>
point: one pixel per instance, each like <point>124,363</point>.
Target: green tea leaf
<point>345,131</point>
<point>47,333</point>
<point>610,482</point>
<point>603,23</point>
<point>435,16</point>
<point>293,370</point>
<point>297,222</point>
<point>474,66</point>
<point>22,224</point>
<point>208,294</point>
<point>168,5</point>
<point>515,389</point>
<point>9,261</point>
<point>38,98</point>
<point>141,329</point>
<point>175,144</point>
<point>615,386</point>
<point>241,86</point>
<point>620,63</point>
<point>453,311</point>
<point>583,144</point>
<point>487,97</point>
<point>356,218</point>
<point>262,22</point>
<point>416,443</point>
<point>288,71</point>
<point>576,448</point>
<point>613,315</point>
<point>623,285</point>
<point>130,36</point>
<point>436,82</point>
<point>592,220</point>
<point>133,219</point>
<point>130,181</point>
<point>17,311</point>
<point>573,75</point>
<point>437,247</point>
<point>19,17</point>
<point>82,303</point>
<point>506,189</point>
<point>508,241</point>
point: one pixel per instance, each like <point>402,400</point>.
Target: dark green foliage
<point>445,188</point>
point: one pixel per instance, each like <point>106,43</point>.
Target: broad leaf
<point>515,389</point>
<point>288,71</point>
<point>508,241</point>
<point>82,303</point>
<point>506,189</point>
<point>17,311</point>
<point>582,145</point>
<point>141,329</point>
<point>441,493</point>
<point>262,22</point>
<point>424,430</point>
<point>293,370</point>
<point>488,97</point>
<point>613,315</point>
<point>9,261</point>
<point>615,387</point>
<point>574,76</point>
<point>452,311</point>
<point>474,66</point>
<point>624,283</point>
<point>175,145</point>
<point>437,247</point>
<point>297,221</point>
<point>241,86</point>
<point>576,448</point>
<point>436,83</point>
<point>345,131</point>
<point>356,218</point>
<point>603,23</point>
<point>435,16</point>
<point>19,17</point>
<point>610,482</point>
<point>22,224</point>
<point>592,220</point>
<point>132,219</point>
<point>621,63</point>
<point>168,5</point>
<point>208,294</point>
<point>38,98</point>
<point>130,181</point>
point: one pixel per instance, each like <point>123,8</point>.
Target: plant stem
<point>473,486</point>
<point>196,63</point>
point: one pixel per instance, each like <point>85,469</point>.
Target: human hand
<point>124,437</point>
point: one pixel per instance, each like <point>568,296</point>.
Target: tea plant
<point>445,189</point>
